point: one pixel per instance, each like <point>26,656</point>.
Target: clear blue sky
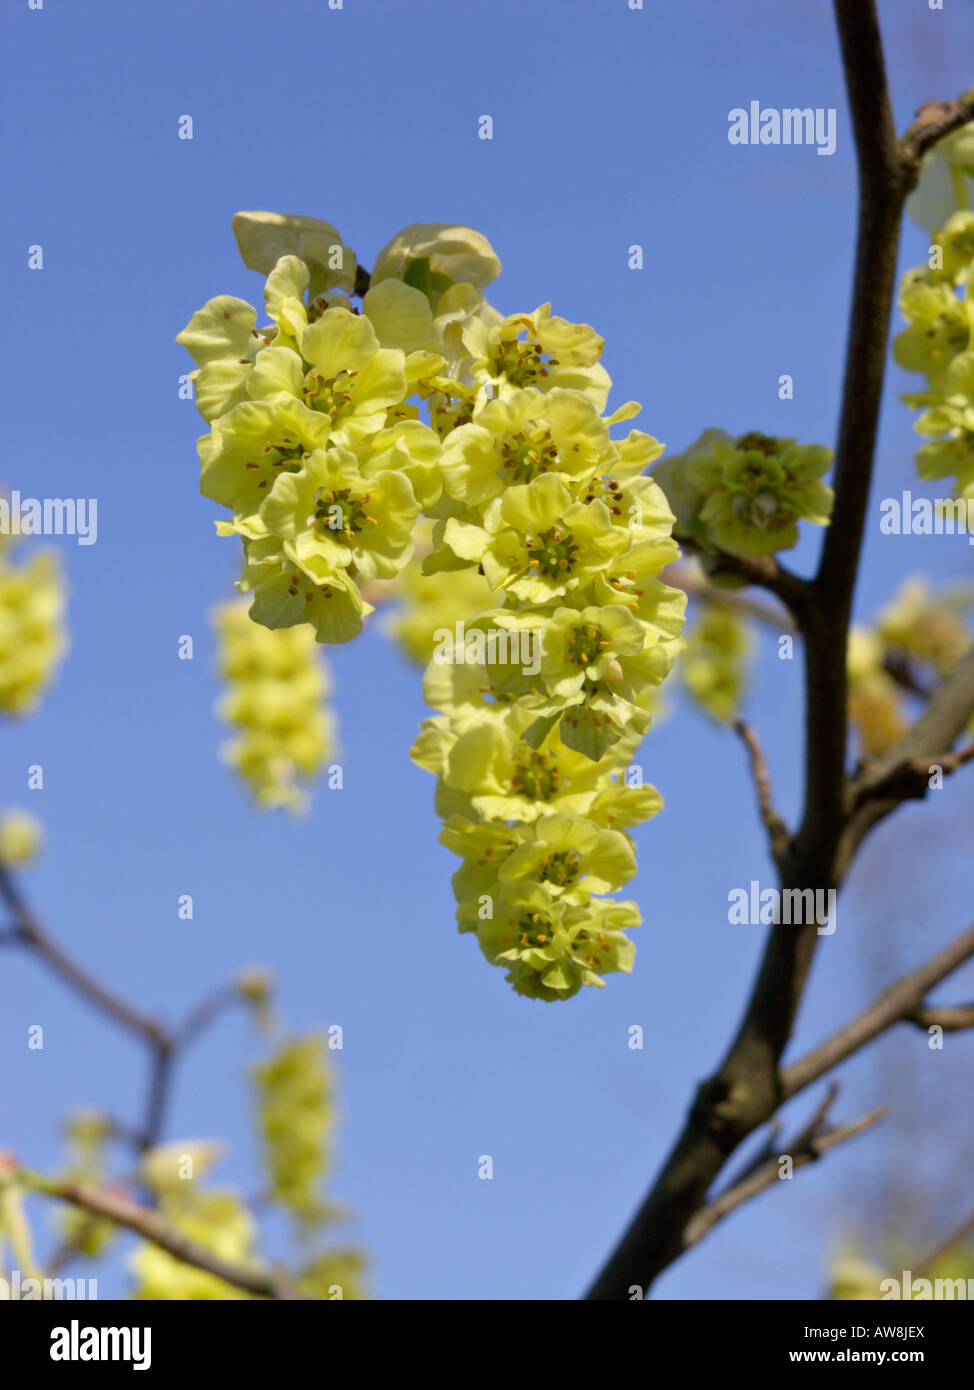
<point>610,128</point>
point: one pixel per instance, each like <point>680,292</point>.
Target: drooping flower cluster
<point>317,450</point>
<point>32,639</point>
<point>276,702</point>
<point>294,1114</point>
<point>918,635</point>
<point>937,301</point>
<point>540,832</point>
<point>746,496</point>
<point>714,666</point>
<point>428,605</point>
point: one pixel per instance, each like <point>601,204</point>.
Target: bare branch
<point>745,1091</point>
<point>778,834</point>
<point>29,932</point>
<point>910,780</point>
<point>900,1002</point>
<point>952,1019</point>
<point>764,572</point>
<point>694,585</point>
<point>903,674</point>
<point>943,1247</point>
<point>804,1149</point>
<point>941,723</point>
<point>207,1011</point>
<point>153,1227</point>
<point>934,121</point>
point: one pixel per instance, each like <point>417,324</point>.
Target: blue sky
<point>610,128</point>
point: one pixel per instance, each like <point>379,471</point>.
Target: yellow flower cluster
<point>276,702</point>
<point>714,666</point>
<point>295,1117</point>
<point>548,538</point>
<point>918,632</point>
<point>32,639</point>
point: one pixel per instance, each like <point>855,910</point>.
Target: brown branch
<point>902,1001</point>
<point>165,1043</point>
<point>910,780</point>
<point>152,1227</point>
<point>764,572</point>
<point>930,1257</point>
<point>956,1019</point>
<point>745,1091</point>
<point>206,1012</point>
<point>947,714</point>
<point>778,835</point>
<point>804,1149</point>
<point>694,585</point>
<point>28,931</point>
<point>903,674</point>
<point>934,121</point>
<point>881,194</point>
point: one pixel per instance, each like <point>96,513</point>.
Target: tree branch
<point>778,835</point>
<point>934,121</point>
<point>764,572</point>
<point>910,780</point>
<point>153,1227</point>
<point>695,585</point>
<point>745,1091</point>
<point>902,1001</point>
<point>952,1020</point>
<point>804,1149</point>
<point>943,1247</point>
<point>947,713</point>
<point>165,1043</point>
<point>29,932</point>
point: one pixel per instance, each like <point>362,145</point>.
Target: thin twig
<point>955,1018</point>
<point>802,1151</point>
<point>935,120</point>
<point>778,834</point>
<point>942,722</point>
<point>943,1247</point>
<point>899,1003</point>
<point>29,932</point>
<point>765,572</point>
<point>910,779</point>
<point>152,1227</point>
<point>694,585</point>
